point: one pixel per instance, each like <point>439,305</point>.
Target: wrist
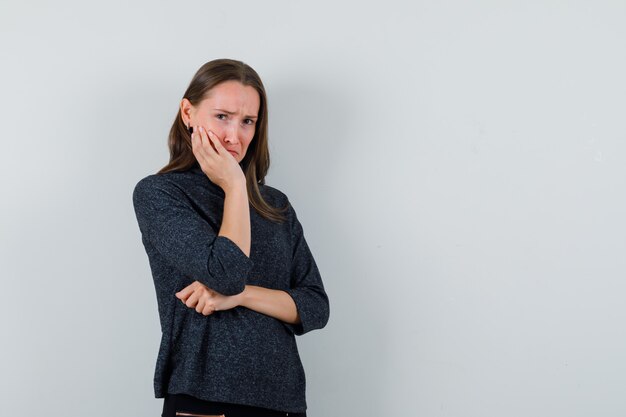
<point>236,187</point>
<point>242,297</point>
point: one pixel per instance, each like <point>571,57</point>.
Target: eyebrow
<point>232,112</point>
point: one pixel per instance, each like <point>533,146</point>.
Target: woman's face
<point>230,110</point>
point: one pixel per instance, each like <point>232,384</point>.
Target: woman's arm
<point>223,170</point>
<point>172,228</point>
<point>274,303</point>
<point>236,217</point>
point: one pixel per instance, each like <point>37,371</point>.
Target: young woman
<point>234,277</point>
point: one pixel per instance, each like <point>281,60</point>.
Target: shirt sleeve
<point>307,289</point>
<point>188,243</point>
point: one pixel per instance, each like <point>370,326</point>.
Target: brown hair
<point>256,162</point>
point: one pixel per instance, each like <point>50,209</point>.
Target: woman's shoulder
<point>175,183</point>
<point>153,182</point>
<point>274,196</point>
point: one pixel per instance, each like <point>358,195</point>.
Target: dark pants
<point>187,404</point>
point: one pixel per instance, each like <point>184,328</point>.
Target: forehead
<point>232,96</point>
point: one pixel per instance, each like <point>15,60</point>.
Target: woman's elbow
<point>326,315</point>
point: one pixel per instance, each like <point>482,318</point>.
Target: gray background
<point>459,169</point>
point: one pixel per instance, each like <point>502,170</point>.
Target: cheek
<point>246,142</point>
<point>215,127</point>
<point>248,139</point>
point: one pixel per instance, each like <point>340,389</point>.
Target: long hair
<point>256,162</point>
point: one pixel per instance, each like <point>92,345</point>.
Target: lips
<point>234,153</point>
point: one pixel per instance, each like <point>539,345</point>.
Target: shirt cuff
<point>234,263</point>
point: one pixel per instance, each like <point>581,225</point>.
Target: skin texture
<point>224,126</point>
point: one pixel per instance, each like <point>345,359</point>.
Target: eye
<point>249,121</point>
<point>219,116</point>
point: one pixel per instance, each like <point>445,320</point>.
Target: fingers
<point>211,139</point>
<point>186,292</point>
<point>217,145</point>
<point>198,297</point>
<point>206,140</point>
<point>196,147</point>
<point>193,299</point>
<point>208,309</point>
<point>200,305</point>
<point>205,305</point>
<point>199,144</point>
<point>205,308</point>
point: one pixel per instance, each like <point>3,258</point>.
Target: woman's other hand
<point>216,162</point>
<point>205,300</point>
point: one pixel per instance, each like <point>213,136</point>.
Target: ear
<point>187,111</point>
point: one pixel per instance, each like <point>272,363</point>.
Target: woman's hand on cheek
<point>205,300</point>
<point>216,162</point>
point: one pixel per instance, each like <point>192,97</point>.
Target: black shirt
<point>235,356</point>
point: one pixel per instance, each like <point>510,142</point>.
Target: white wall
<point>459,169</point>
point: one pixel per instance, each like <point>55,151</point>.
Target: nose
<point>232,134</point>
